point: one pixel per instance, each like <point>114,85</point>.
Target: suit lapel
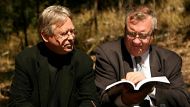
<point>43,80</point>
<point>155,64</point>
<point>127,61</point>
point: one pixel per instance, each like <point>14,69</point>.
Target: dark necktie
<point>138,59</point>
<point>138,63</point>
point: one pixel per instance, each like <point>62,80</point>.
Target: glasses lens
<point>141,36</point>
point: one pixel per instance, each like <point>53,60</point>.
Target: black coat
<point>114,61</point>
<point>31,87</point>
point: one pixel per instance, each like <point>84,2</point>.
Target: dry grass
<point>110,25</point>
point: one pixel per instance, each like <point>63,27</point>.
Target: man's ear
<point>44,36</point>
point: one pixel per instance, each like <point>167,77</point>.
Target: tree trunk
<point>142,1</point>
<point>25,25</point>
<point>95,16</point>
<point>120,6</point>
<point>64,2</point>
<point>37,8</point>
<point>130,3</point>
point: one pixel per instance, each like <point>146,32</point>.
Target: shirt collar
<point>144,56</point>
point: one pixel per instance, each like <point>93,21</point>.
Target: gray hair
<point>140,13</point>
<point>50,16</point>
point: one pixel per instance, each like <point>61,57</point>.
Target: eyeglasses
<point>141,36</point>
<point>66,34</point>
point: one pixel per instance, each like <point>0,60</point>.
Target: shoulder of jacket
<point>164,51</point>
<point>110,45</point>
<point>28,52</point>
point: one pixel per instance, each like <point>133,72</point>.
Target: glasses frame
<point>141,36</point>
<point>66,34</point>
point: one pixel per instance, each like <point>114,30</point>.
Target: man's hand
<point>135,77</point>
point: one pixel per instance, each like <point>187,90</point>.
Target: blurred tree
<point>95,16</point>
<point>23,14</point>
<point>18,15</point>
<point>5,19</point>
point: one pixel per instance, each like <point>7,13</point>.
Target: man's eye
<point>133,34</point>
<point>72,31</point>
<point>64,33</point>
<point>143,36</point>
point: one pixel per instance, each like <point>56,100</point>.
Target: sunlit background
<point>96,21</point>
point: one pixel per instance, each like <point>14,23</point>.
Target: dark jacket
<point>31,83</point>
<point>113,61</point>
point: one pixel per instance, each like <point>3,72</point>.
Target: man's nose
<point>137,40</point>
<point>70,36</point>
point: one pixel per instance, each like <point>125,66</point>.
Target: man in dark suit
<point>53,73</point>
<point>116,60</point>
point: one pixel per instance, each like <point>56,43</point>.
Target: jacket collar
<point>155,64</point>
